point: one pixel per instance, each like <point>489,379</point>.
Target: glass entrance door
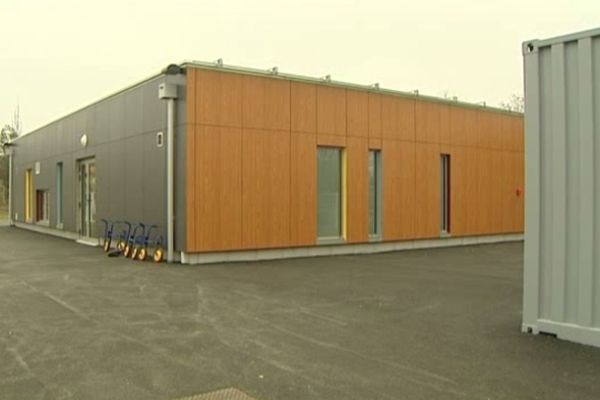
<point>87,198</point>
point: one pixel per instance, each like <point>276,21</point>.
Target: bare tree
<point>7,134</point>
<point>16,121</point>
<point>515,103</point>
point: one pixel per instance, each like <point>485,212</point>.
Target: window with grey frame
<point>329,193</point>
<point>59,195</point>
<point>375,194</point>
<point>445,193</point>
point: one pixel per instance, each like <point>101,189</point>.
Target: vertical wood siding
<point>252,162</point>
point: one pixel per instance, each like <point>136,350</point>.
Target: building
<point>269,165</point>
<point>562,242</point>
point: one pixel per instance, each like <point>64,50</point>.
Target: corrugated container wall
<point>562,223</point>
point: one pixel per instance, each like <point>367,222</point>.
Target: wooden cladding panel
<point>485,191</point>
<point>518,134</point>
<point>398,118</point>
<point>357,190</point>
<point>459,195</point>
<point>331,110</point>
<point>427,190</point>
<point>304,107</point>
<point>496,139</point>
<point>489,130</point>
<point>331,140</point>
<point>484,133</point>
<point>190,153</point>
<point>392,186</point>
<point>218,98</point>
<point>496,194</point>
<point>427,122</point>
<point>471,127</point>
<point>408,194</point>
<point>375,143</point>
<point>471,189</point>
<point>217,188</point>
<point>463,126</point>
<point>458,127</point>
<point>399,195</point>
<point>374,115</point>
<point>303,189</point>
<point>506,134</point>
<point>463,190</point>
<point>266,103</point>
<point>191,97</point>
<point>251,160</point>
<point>358,113</point>
<point>266,188</point>
<point>444,115</point>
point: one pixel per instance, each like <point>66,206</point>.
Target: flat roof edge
<point>218,66</point>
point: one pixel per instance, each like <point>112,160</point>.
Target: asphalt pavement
<point>424,324</point>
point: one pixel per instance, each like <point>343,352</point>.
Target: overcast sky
<point>59,55</point>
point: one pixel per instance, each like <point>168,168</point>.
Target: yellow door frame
<point>29,195</point>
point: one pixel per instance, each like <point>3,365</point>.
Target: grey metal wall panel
<point>133,178</point>
<point>116,106</point>
<point>562,232</point>
<point>131,169</point>
<point>133,113</point>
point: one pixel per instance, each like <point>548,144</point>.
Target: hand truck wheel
<point>158,255</point>
<point>142,254</point>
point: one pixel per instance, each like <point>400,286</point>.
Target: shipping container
<point>562,224</point>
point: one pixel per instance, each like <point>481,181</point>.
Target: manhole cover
<point>223,394</point>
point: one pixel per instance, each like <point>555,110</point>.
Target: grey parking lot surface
<point>426,324</point>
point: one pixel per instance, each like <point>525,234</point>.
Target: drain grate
<point>223,394</point>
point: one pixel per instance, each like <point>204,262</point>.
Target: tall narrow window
<point>29,195</point>
<point>59,195</point>
<point>329,193</point>
<point>374,193</point>
<point>445,193</point>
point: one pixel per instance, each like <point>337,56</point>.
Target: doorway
<point>87,198</point>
